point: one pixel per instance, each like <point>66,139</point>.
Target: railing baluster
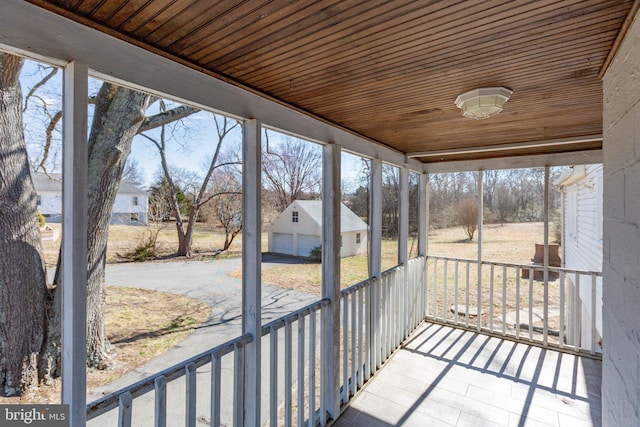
<point>594,335</point>
<point>301,323</point>
<point>125,408</point>
<point>354,357</point>
<point>426,287</point>
<point>444,291</point>
<point>517,325</point>
<point>238,384</point>
<point>288,373</point>
<point>367,331</point>
<point>455,297</point>
<point>345,348</point>
<point>190,416</point>
<point>491,278</point>
<point>160,412</point>
<point>531,273</point>
<point>504,299</point>
<point>479,298</point>
<point>312,368</point>
<point>466,314</point>
<point>216,383</point>
<point>273,376</point>
<point>360,339</point>
<point>391,314</point>
<point>562,311</point>
<point>576,313</point>
<point>435,288</point>
<point>383,318</point>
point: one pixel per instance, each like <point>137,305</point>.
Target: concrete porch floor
<point>450,377</point>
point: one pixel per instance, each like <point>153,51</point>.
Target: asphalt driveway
<point>210,282</point>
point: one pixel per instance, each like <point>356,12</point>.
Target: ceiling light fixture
<point>484,102</point>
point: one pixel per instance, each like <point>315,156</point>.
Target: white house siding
<point>124,207</point>
<point>124,210</point>
<point>50,206</point>
<point>621,265</point>
<point>349,245</point>
<point>583,243</point>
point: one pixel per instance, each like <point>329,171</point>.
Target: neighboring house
<point>299,229</point>
<point>582,236</point>
<point>130,207</point>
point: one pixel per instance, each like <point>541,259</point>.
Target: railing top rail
<point>293,316</point>
<point>511,264</point>
<point>351,289</point>
<point>145,385</point>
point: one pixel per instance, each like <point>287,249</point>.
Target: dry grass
<point>507,243</point>
<point>125,238</point>
<point>141,324</point>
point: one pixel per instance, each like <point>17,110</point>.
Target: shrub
<point>467,215</point>
<point>316,254</point>
<point>41,220</point>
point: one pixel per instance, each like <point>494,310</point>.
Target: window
<point>294,216</point>
<point>134,217</point>
<point>38,200</point>
<point>357,238</point>
<point>134,201</point>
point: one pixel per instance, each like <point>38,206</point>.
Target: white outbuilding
<point>298,230</point>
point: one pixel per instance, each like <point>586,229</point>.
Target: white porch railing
<point>558,307</point>
<point>377,315</point>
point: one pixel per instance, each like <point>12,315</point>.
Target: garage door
<point>307,243</point>
<point>282,243</point>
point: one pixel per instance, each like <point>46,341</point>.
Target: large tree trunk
<point>23,287</point>
<point>118,114</point>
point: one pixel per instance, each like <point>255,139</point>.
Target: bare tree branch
<point>37,86</point>
<point>166,116</point>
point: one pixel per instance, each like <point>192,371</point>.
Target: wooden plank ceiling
<point>391,70</point>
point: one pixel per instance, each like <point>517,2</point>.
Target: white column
<point>74,241</point>
<point>423,236</point>
<point>423,215</point>
<point>375,219</point>
<point>480,221</point>
<point>330,346</point>
<point>545,331</point>
<point>251,268</point>
<point>375,266</point>
<point>403,223</point>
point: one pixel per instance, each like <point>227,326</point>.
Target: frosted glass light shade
<point>484,102</point>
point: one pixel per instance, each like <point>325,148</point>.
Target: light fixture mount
<point>484,102</point>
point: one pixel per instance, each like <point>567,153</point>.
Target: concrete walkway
<point>210,282</point>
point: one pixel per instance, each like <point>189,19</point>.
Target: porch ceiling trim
<point>40,33</point>
<point>507,147</point>
<point>557,159</point>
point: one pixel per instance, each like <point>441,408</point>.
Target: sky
<point>190,143</point>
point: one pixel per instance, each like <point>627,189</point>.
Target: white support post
<point>74,241</point>
<point>403,224</point>
<point>480,221</point>
<point>330,345</point>
<point>375,267</point>
<point>375,220</point>
<point>545,325</point>
<point>423,215</point>
<point>251,269</point>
